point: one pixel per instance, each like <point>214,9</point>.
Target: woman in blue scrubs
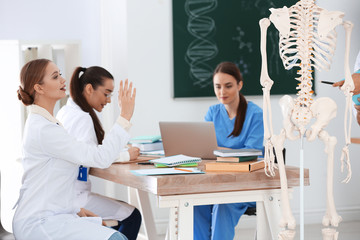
<point>238,124</point>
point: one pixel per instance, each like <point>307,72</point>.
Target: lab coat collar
<point>36,109</point>
<point>72,103</point>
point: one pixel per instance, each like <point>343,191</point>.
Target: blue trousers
<point>218,222</point>
<point>117,236</point>
<point>130,226</point>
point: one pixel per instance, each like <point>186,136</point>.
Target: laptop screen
<point>196,139</point>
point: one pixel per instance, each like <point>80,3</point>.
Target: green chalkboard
<point>207,32</point>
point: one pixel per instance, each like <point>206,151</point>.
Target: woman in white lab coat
<point>47,208</point>
<point>91,89</point>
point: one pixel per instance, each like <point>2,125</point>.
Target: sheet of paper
<point>165,171</point>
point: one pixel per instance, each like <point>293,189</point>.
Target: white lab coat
<point>46,208</point>
<point>79,124</point>
<point>356,67</point>
<point>357,63</point>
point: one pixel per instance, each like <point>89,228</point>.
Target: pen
<point>185,170</point>
<point>327,82</point>
<point>145,163</point>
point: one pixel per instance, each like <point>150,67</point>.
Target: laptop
<point>195,139</point>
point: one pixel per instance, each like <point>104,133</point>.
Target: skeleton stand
<point>302,188</point>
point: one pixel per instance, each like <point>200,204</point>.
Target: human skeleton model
<point>307,41</point>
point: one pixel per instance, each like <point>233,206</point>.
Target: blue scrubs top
<point>252,133</point>
<point>218,221</point>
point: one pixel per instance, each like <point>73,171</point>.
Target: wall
<point>60,20</point>
<point>150,67</point>
<point>39,22</point>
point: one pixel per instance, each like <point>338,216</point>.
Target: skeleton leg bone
<point>330,234</point>
<point>331,217</point>
<point>287,218</point>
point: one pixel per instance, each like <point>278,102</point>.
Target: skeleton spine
<point>305,29</point>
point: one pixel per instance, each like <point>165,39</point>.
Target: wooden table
<point>181,192</point>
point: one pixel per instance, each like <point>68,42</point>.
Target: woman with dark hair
<point>91,89</point>
<point>46,208</point>
<point>238,124</point>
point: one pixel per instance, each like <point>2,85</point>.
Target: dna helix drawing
<point>202,48</point>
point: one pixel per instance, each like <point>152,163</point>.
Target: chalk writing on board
<point>203,48</point>
<point>239,38</point>
<point>243,65</point>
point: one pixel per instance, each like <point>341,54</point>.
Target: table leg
<point>141,200</point>
<point>172,231</point>
<point>273,213</point>
<point>181,221</point>
<point>186,219</point>
<point>262,228</point>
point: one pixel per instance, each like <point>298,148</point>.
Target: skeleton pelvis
<point>301,116</point>
<point>323,109</point>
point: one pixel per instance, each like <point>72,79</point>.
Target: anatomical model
<point>307,41</point>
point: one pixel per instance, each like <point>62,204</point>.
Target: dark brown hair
<point>31,73</point>
<point>94,76</point>
<point>231,69</point>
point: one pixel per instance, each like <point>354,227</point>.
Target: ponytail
<point>93,76</point>
<point>240,116</point>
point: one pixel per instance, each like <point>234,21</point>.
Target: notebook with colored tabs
<point>176,160</point>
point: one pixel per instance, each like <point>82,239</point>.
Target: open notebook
<point>176,160</point>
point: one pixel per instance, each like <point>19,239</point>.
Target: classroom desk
<point>181,192</point>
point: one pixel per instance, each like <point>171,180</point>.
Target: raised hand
<point>126,99</point>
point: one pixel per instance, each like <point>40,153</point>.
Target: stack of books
<point>148,144</point>
<point>237,155</point>
<point>236,160</point>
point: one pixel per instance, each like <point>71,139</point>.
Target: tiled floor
<point>348,231</point>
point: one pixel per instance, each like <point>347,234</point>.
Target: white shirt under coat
<point>51,159</point>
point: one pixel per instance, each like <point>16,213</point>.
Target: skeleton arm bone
<point>349,83</point>
<point>347,88</point>
<point>267,83</point>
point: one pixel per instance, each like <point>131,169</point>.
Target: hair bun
<point>24,97</point>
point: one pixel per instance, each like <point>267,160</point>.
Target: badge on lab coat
<point>82,173</point>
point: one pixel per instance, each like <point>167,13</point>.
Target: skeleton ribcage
<point>304,45</point>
